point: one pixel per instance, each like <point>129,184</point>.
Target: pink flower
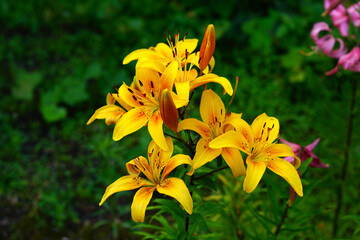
<point>305,153</point>
<point>339,16</point>
<point>327,42</point>
<point>353,11</point>
<point>350,62</point>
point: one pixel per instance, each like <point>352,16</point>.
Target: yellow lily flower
<point>214,123</point>
<point>110,112</point>
<point>156,169</point>
<point>187,79</point>
<point>257,141</point>
<point>144,97</point>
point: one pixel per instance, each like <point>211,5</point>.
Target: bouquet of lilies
<point>166,77</point>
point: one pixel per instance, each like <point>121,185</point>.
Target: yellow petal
<point>265,128</point>
<point>188,44</point>
<point>140,164</point>
<point>111,113</point>
<point>231,139</point>
<point>176,188</point>
<point>203,155</point>
<point>155,128</point>
<point>183,89</point>
<point>212,109</point>
<point>164,50</point>
<point>179,101</point>
<point>131,121</point>
<point>234,160</point>
<point>174,162</point>
<point>158,158</point>
<point>148,80</point>
<point>130,96</point>
<point>126,106</point>
<point>287,171</point>
<point>124,184</point>
<point>158,66</point>
<point>195,125</point>
<point>142,53</point>
<point>212,78</point>
<point>254,173</point>
<point>140,202</point>
<point>168,76</point>
<point>279,150</point>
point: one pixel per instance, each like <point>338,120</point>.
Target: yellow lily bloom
<point>214,123</point>
<point>257,141</point>
<point>156,169</point>
<point>187,78</point>
<point>110,112</point>
<point>144,97</point>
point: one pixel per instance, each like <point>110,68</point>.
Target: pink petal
<point>311,146</point>
<point>354,14</point>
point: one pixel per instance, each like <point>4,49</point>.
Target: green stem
<point>187,219</point>
<point>346,158</point>
<point>209,173</point>
<point>283,217</point>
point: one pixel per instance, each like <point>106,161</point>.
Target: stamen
<point>134,98</point>
<point>130,90</point>
<point>152,84</point>
<point>141,84</point>
<point>141,103</point>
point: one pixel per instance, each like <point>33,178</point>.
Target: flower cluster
<point>343,18</point>
<point>165,76</point>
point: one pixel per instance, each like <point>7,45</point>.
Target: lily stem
<point>284,216</point>
<point>346,158</point>
<point>187,219</point>
<point>209,173</point>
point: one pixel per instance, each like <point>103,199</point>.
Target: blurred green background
<point>59,59</point>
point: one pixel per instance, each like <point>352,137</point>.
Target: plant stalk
<point>346,158</point>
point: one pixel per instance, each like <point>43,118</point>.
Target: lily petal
<point>212,109</point>
<point>147,53</point>
<point>131,121</point>
<point>254,173</point>
<point>140,164</point>
<point>124,184</point>
<point>112,113</point>
<point>168,76</point>
<point>183,89</point>
<point>279,150</point>
<point>234,160</point>
<point>126,106</point>
<point>203,155</point>
<point>212,78</point>
<point>148,79</point>
<point>287,171</point>
<point>140,202</point>
<point>195,125</point>
<point>265,128</point>
<point>231,139</point>
<point>179,101</point>
<point>155,128</point>
<point>174,162</point>
<point>176,188</point>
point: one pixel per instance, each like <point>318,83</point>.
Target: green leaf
<point>25,83</point>
<point>74,91</point>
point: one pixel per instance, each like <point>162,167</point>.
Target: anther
<point>141,103</point>
<point>134,97</point>
<point>152,84</point>
<point>130,90</point>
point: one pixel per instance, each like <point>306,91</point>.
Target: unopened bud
<point>207,47</point>
<point>168,111</point>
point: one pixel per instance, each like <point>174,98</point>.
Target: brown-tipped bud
<point>207,47</point>
<point>168,111</point>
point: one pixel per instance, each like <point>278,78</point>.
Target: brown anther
<point>130,90</point>
<point>141,84</point>
<point>141,103</point>
<point>133,96</point>
<point>152,84</point>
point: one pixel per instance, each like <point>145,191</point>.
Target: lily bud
<point>207,47</point>
<point>168,111</point>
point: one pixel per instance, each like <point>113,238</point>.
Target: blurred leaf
<point>25,83</point>
<point>74,91</point>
